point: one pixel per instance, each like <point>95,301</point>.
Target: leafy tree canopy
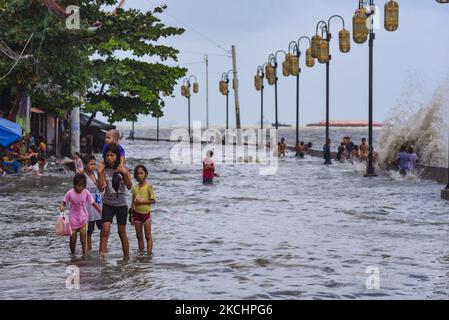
<point>63,61</point>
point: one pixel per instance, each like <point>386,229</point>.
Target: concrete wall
<point>437,174</point>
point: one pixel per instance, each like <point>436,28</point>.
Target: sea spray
<point>426,130</point>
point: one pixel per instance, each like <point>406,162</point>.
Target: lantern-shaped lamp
<point>196,87</point>
<point>443,1</point>
<point>187,91</point>
<point>223,87</point>
<point>315,45</point>
<point>294,65</point>
<point>258,82</point>
<point>359,26</point>
<point>310,61</point>
<point>344,39</point>
<point>183,91</point>
<point>286,67</point>
<point>391,15</point>
<point>323,53</point>
<point>270,74</point>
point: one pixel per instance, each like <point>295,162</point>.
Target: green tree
<point>106,60</point>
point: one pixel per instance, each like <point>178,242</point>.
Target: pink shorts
<point>141,217</point>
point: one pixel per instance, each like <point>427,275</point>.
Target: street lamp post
<point>185,91</point>
<point>296,70</point>
<point>258,82</point>
<point>157,128</point>
<point>224,89</point>
<point>320,50</point>
<point>271,74</point>
<point>364,28</point>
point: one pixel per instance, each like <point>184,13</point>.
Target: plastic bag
<point>62,226</point>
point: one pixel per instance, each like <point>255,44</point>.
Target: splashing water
<point>426,130</point>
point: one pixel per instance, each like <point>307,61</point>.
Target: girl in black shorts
<point>114,179</point>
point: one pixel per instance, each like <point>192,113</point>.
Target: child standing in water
<point>142,199</point>
<point>114,179</point>
<point>79,198</point>
<point>90,164</point>
<point>112,137</point>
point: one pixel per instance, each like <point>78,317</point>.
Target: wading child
<point>90,165</point>
<point>142,198</point>
<point>113,179</point>
<point>32,156</point>
<point>79,198</point>
<point>112,137</point>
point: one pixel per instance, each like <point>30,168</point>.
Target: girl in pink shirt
<point>79,197</point>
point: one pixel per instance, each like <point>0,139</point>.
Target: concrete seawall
<point>437,174</point>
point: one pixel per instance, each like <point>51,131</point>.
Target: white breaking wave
<point>426,130</point>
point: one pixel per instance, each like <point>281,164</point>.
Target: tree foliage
<point>115,60</point>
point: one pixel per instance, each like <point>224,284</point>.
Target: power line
<point>196,31</point>
<point>189,63</point>
<point>17,61</point>
<point>202,53</point>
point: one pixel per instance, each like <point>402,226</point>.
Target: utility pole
<point>235,85</point>
<point>206,58</point>
<point>75,128</point>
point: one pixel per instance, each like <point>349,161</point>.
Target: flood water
<point>308,232</point>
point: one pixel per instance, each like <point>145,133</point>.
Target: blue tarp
<point>10,132</point>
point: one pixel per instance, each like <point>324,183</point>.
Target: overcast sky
<point>410,62</point>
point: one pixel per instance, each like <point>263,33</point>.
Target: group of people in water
<point>99,194</point>
<point>407,160</point>
<point>348,151</point>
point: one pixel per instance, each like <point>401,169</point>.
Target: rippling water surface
<point>308,232</point>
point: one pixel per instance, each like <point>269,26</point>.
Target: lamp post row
<point>319,48</point>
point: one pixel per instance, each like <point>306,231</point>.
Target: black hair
<point>363,139</point>
<point>78,154</point>
<point>140,167</point>
<point>403,148</point>
<point>410,150</point>
<point>80,178</point>
<point>88,157</point>
<point>211,153</point>
<point>114,149</point>
<point>356,148</point>
<point>33,148</point>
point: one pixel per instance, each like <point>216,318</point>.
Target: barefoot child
<point>79,198</point>
<point>143,197</point>
<point>90,164</point>
<point>113,179</point>
<point>112,137</point>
